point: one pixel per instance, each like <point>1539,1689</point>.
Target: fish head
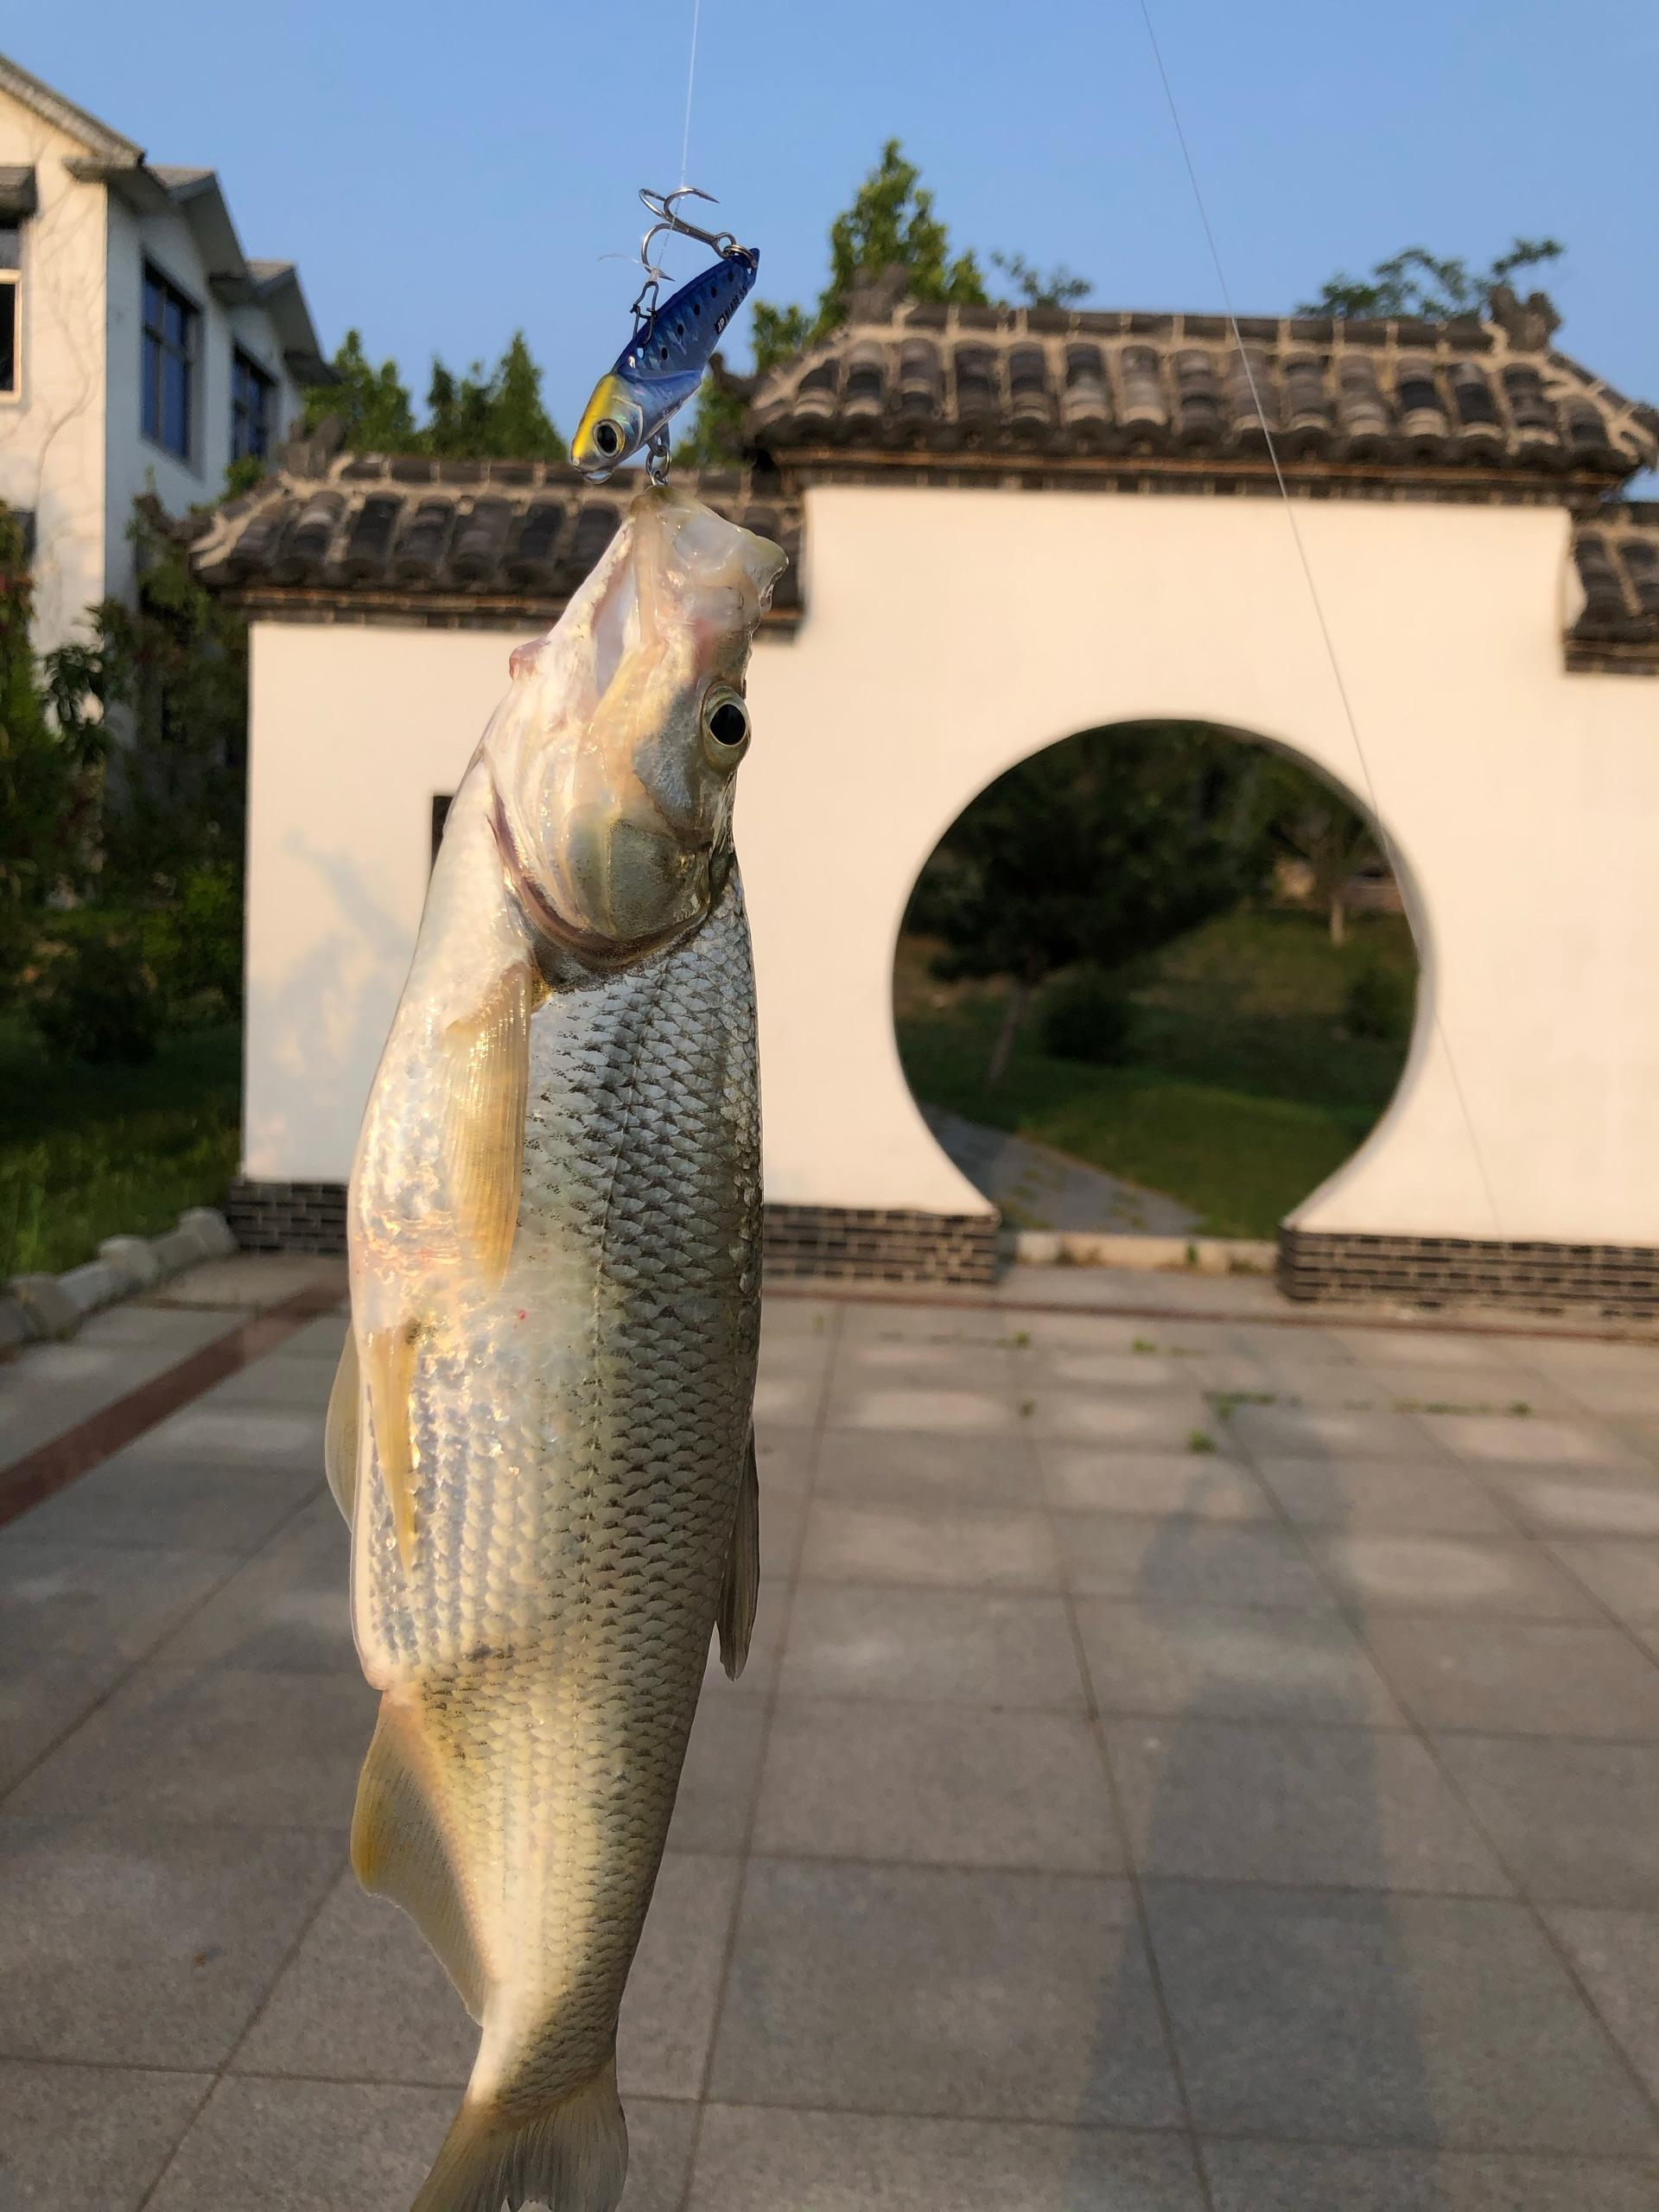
<point>617,755</point>
<point>613,428</point>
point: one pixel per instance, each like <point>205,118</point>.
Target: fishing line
<point>1289,504</point>
<point>690,80</point>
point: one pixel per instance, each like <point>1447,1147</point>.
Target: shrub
<point>1380,1002</point>
<point>194,948</point>
<point>95,999</point>
<point>1086,1017</point>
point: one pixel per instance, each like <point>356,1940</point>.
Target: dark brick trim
<point>881,1244</point>
<point>1454,1270</point>
<point>860,1244</point>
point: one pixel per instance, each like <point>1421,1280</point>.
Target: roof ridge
<point>52,107</point>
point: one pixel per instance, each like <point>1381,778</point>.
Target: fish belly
<point>578,1436</point>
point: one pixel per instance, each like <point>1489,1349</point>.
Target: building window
<point>11,307</point>
<point>253,396</point>
<point>171,324</point>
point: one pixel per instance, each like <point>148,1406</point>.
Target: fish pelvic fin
<point>572,2155</point>
<point>488,1055</point>
<point>388,1369</point>
<point>340,1429</point>
<point>400,1849</point>
<point>740,1591</point>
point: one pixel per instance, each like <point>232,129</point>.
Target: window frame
<point>12,279</point>
<point>191,358</point>
<point>249,366</point>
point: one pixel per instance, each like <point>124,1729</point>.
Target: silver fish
<point>541,1433</point>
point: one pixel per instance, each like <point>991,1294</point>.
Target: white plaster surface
<point>951,633</point>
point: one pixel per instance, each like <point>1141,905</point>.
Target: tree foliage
<point>478,413</point>
<point>1417,283</point>
<point>372,403</point>
<point>1058,287</point>
<point>1310,822</point>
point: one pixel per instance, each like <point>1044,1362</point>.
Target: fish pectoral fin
<point>488,1070</point>
<point>388,1369</point>
<point>740,1592</point>
<point>399,1850</point>
<point>340,1429</point>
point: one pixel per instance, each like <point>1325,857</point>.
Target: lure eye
<point>725,719</point>
<point>607,437</point>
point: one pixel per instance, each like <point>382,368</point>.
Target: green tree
<point>1313,824</point>
<point>1058,287</point>
<point>496,416</point>
<point>1417,283</point>
<point>373,403</point>
<point>1100,849</point>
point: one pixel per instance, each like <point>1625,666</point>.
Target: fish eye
<point>725,719</point>
<point>607,437</point>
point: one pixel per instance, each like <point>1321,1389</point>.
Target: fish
<point>661,365</point>
<point>541,1433</point>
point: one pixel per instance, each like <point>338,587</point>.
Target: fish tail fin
<point>571,2156</point>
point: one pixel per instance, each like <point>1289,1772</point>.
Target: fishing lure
<point>662,364</point>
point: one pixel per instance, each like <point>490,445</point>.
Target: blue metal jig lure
<point>662,364</point>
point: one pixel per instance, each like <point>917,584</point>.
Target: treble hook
<point>663,206</point>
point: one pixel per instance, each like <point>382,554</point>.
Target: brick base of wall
<point>1617,1279</point>
<point>862,1244</point>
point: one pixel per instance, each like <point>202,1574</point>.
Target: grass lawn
<point>89,1153</point>
<point>1241,1091</point>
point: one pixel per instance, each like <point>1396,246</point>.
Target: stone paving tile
<point>1236,1803</point>
<point>976,1547</point>
<point>1148,1421</point>
<point>948,1412</point>
<point>1427,1347</point>
<point>721,1773</point>
<point>137,1326</point>
<point>751,2160</point>
<point>864,1363</point>
<point>1287,1431</point>
<point>1427,1574</point>
<point>362,1997</point>
<point>1069,1369</point>
<point>1578,1501</point>
<point>1577,1823</point>
<point>1237,1663</point>
<point>1188,1485</point>
<point>262,1436</point>
<point>306,2147</point>
<point>256,1279</point>
<point>783,1456</point>
<point>1501,1441</point>
<point>38,1704</point>
<point>787,1401</point>
<point>143,1944</point>
<point>908,1469</point>
<point>1617,1955</point>
<point>245,1751</point>
<point>934,1990</point>
<point>1437,2022</point>
<point>1623,1573</point>
<point>95,2137</point>
<point>1112,1555</point>
<point>1499,1392</point>
<point>937,1784</point>
<point>962,1647</point>
<point>1422,1496</point>
<point>1279,2178</point>
<point>48,1388</point>
<point>94,1606</point>
<point>190,1505</point>
<point>276,1384</point>
<point>323,1338</point>
<point>288,1609</point>
<point>1529,1678</point>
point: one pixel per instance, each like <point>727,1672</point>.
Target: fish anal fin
<point>399,1850</point>
<point>572,2153</point>
<point>740,1590</point>
<point>488,1055</point>
<point>339,1429</point>
<point>388,1369</point>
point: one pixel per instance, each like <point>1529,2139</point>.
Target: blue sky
<point>443,174</point>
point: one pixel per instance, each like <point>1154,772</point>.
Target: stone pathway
<point>1036,1187</point>
<point>1105,1823</point>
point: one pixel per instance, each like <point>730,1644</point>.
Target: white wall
<point>948,635</point>
<point>52,434</point>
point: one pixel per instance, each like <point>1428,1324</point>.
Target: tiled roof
<point>452,543</point>
<point>986,389</point>
<point>1617,551</point>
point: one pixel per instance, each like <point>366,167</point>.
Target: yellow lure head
<point>613,429</point>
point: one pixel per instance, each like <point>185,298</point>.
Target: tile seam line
<point>831,1293</point>
<point>51,1467</point>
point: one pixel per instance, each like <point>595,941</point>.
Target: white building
<point>1006,528</point>
<point>140,350</point>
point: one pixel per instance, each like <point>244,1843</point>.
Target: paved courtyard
<point>1186,1763</point>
